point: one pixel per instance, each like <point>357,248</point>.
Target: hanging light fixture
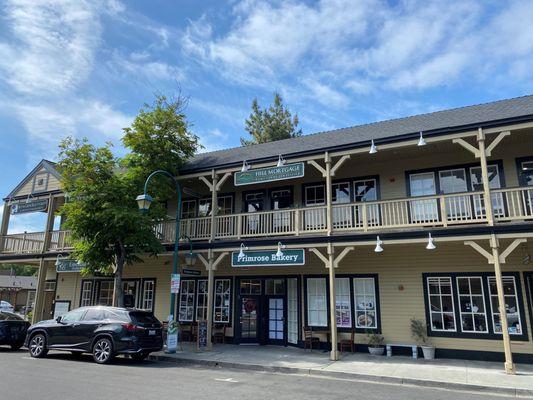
<point>245,166</point>
<point>378,248</point>
<point>373,148</point>
<point>421,141</point>
<point>431,243</point>
<point>242,250</point>
<point>279,253</point>
<point>281,161</point>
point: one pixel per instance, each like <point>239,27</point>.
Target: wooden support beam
<point>343,254</point>
<point>467,146</point>
<point>222,180</point>
<point>209,184</point>
<point>338,164</point>
<point>504,254</point>
<point>318,167</point>
<point>481,250</point>
<point>219,259</point>
<point>203,260</point>
<point>319,254</point>
<point>495,142</point>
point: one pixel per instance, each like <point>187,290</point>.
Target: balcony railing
<point>514,204</point>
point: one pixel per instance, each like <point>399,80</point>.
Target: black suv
<point>102,331</point>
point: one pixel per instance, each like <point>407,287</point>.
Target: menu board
<point>202,334</point>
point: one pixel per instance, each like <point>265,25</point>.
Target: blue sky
<point>84,68</point>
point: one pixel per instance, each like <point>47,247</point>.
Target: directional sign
<point>187,271</point>
<point>269,174</point>
<point>30,206</point>
<point>268,258</point>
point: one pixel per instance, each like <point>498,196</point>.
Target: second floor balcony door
<point>253,202</point>
<point>425,210</point>
<point>494,183</point>
<point>454,181</point>
<point>281,199</point>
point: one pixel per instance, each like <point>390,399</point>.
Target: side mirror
<point>58,319</point>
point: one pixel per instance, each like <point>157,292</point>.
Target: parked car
<point>5,306</point>
<point>103,331</point>
<point>13,329</point>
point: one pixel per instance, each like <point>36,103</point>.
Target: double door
<point>262,319</point>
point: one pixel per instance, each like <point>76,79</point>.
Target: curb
<point>482,389</point>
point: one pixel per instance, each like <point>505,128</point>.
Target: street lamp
<point>143,201</point>
<point>190,257</point>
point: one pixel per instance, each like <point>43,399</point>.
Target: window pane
<point>442,317</point>
<point>511,305</point>
<point>472,305</point>
<point>316,302</point>
<point>365,303</point>
<point>343,307</point>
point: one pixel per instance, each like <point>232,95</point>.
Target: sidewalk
<point>478,376</point>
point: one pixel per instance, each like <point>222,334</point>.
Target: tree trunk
<point>118,293</point>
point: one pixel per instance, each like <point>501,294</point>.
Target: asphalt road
<point>60,376</point>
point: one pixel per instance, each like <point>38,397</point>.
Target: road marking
<point>230,380</point>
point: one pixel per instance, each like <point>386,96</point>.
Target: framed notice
<point>175,280</point>
<point>61,307</point>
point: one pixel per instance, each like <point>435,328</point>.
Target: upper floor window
<point>526,172</point>
<point>365,190</point>
<point>340,193</point>
<point>453,180</point>
<point>225,206</point>
<point>315,195</point>
<point>188,209</point>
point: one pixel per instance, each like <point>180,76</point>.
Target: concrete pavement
<point>61,376</point>
<point>479,376</point>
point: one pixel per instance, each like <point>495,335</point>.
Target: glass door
<point>526,179</point>
<point>253,202</point>
<point>366,190</point>
<point>276,320</point>
<point>342,215</point>
<point>494,183</point>
<point>315,218</point>
<point>249,319</point>
<point>281,199</point>
<point>454,181</point>
<point>423,211</point>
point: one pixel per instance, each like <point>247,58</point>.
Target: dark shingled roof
<point>431,123</point>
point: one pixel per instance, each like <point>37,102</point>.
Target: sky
<point>85,68</point>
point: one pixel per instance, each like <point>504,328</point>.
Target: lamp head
<point>245,166</point>
<point>144,201</point>
<point>431,243</point>
<point>373,148</point>
<point>378,248</point>
<point>281,161</point>
<point>279,253</point>
<point>421,141</point>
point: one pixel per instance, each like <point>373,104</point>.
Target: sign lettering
<point>269,174</point>
<point>68,265</point>
<point>29,207</point>
<point>268,258</point>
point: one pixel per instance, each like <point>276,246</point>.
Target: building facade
<point>356,230</point>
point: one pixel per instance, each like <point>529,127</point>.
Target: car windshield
<point>141,317</point>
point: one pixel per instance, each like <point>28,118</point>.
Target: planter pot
<point>429,352</point>
<point>376,351</point>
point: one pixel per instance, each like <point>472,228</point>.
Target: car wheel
<point>140,356</point>
<point>16,346</point>
<point>103,350</point>
<point>37,346</point>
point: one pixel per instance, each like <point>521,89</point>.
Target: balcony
<point>33,242</point>
<point>514,204</point>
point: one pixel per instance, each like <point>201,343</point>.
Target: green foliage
<point>419,331</point>
<point>20,270</point>
<point>271,124</point>
<point>375,339</point>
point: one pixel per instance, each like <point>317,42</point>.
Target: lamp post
<point>144,201</point>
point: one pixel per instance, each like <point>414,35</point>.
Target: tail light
<point>132,327</point>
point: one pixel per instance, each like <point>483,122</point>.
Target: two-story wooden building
<point>358,229</point>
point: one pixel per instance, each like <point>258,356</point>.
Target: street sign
<point>29,207</point>
<point>175,283</point>
<point>68,265</point>
<point>268,258</point>
<point>187,271</point>
<point>269,174</point>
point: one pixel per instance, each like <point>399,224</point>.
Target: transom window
<point>275,286</point>
<point>250,286</point>
<point>442,307</point>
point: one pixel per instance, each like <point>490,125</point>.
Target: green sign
<point>30,206</point>
<point>268,258</point>
<point>289,171</point>
<point>67,265</point>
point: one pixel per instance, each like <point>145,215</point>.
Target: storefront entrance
<point>264,315</point>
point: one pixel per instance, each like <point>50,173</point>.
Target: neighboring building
<point>18,290</point>
<point>340,196</point>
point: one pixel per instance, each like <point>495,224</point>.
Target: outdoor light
<point>431,243</point>
<point>373,148</point>
<point>421,141</point>
<point>245,166</point>
<point>281,161</point>
<point>190,258</point>
<point>144,201</point>
<point>279,253</point>
<point>242,250</point>
<point>378,248</point>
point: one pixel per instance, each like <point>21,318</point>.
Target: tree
<point>19,269</point>
<point>268,125</point>
<point>107,229</point>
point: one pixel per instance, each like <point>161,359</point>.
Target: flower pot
<point>376,351</point>
<point>429,352</point>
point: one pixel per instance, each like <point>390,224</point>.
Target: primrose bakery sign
<point>268,258</point>
<point>269,174</point>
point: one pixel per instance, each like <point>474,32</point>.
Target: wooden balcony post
<point>329,195</point>
<point>49,224</point>
<point>214,205</point>
<point>365,217</point>
<point>443,213</point>
<point>297,222</point>
<point>485,177</point>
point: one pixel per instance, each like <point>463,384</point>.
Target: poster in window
<point>342,308</point>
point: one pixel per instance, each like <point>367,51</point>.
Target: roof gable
<point>51,180</point>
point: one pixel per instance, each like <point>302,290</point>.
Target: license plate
<point>151,332</point>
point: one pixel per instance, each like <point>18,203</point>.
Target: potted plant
<point>419,333</point>
<point>375,343</point>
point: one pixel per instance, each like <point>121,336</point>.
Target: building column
<point>329,194</point>
<point>485,177</point>
<point>334,354</point>
<point>210,298</point>
<point>49,223</point>
<point>39,293</point>
<point>5,225</point>
<point>509,365</point>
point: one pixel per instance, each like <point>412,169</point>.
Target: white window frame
<point>366,298</point>
<point>431,312</point>
<point>224,295</point>
<point>201,310</point>
<point>315,203</point>
<point>451,171</point>
<point>108,291</point>
<point>317,294</point>
<point>86,293</point>
<point>470,295</point>
<point>497,311</point>
<point>343,302</point>
<point>148,294</point>
<point>187,290</point>
<point>187,213</point>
